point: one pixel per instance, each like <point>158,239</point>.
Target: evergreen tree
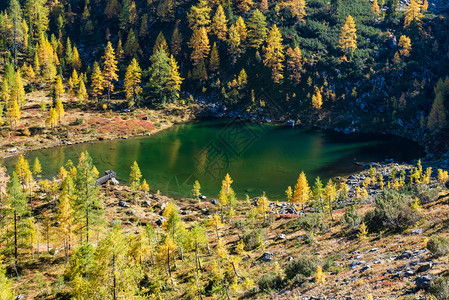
<point>113,9</point>
<point>132,80</point>
<point>37,13</point>
<point>176,41</point>
<point>16,207</point>
<point>166,10</point>
<point>274,54</point>
<point>6,289</point>
<point>15,13</point>
<point>437,117</point>
<point>143,32</point>
<point>160,43</point>
<point>219,24</point>
<point>88,206</point>
<point>109,68</point>
<point>257,29</point>
<point>132,47</point>
<point>214,62</point>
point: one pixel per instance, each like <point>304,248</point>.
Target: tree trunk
<point>168,265</point>
<point>115,279</point>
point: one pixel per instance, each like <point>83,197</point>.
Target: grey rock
<point>356,263</point>
<point>405,255</point>
<point>214,202</point>
<point>131,212</point>
<point>147,203</point>
<point>266,257</point>
<point>425,267</point>
<point>123,204</point>
<point>417,231</point>
<point>160,220</point>
<point>365,268</point>
<point>113,181</point>
<point>202,197</point>
<point>281,237</point>
<point>423,282</point>
<point>409,273</point>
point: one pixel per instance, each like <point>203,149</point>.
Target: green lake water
<point>259,157</point>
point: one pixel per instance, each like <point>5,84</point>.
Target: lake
<point>259,157</point>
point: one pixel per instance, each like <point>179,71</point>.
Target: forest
<point>77,71</point>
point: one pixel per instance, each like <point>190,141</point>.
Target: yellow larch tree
<point>302,191</point>
<point>109,68</point>
<point>425,5</point>
<point>375,8</point>
<point>52,118</point>
<point>240,26</point>
<point>298,9</point>
<point>245,5</point>
<point>274,54</point>
<point>348,36</point>
<point>97,81</point>
<point>18,92</point>
<point>214,61</point>
<point>199,43</point>
<point>59,107</point>
<point>406,45</point>
<point>413,14</point>
<point>59,88</point>
<point>294,63</point>
<point>233,44</point>
<point>199,15</point>
<point>76,62</point>
<point>317,99</point>
<point>219,24</point>
<point>133,80</point>
<point>14,114</point>
<point>175,80</point>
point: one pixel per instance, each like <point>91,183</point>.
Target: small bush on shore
<point>438,245</point>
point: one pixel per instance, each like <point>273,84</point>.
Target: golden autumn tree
<point>437,117</point>
<point>219,24</point>
<point>317,99</point>
<point>425,5</point>
<point>375,8</point>
<point>257,29</point>
<point>245,5</point>
<point>294,64</point>
<point>413,14</point>
<point>59,88</point>
<point>274,54</point>
<point>233,44</point>
<point>240,26</point>
<point>406,45</point>
<point>298,9</point>
<point>59,107</point>
<point>14,114</point>
<point>214,61</point>
<point>175,80</point>
<point>18,91</point>
<point>132,80</point>
<point>348,36</point>
<point>199,15</point>
<point>199,43</point>
<point>302,191</point>
<point>109,68</point>
<point>97,81</point>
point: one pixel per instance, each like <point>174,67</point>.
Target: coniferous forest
<point>350,225</point>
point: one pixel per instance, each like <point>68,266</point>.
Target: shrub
<point>252,239</point>
<point>303,265</point>
<point>351,218</point>
<point>393,211</point>
<point>426,194</point>
<point>438,245</point>
<point>269,281</point>
<point>439,288</point>
<point>310,222</point>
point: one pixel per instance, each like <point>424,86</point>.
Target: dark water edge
<point>259,157</point>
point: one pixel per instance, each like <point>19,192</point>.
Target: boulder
<point>405,255</point>
<point>160,220</point>
<point>123,204</point>
<point>356,263</point>
<point>266,257</point>
<point>425,267</point>
<point>417,231</point>
<point>281,237</point>
<point>423,282</point>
